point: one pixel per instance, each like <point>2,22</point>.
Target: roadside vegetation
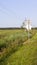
<point>13,51</point>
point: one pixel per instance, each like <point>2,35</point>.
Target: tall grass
<point>10,40</point>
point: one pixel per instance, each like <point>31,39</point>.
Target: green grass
<point>10,41</point>
<point>26,54</point>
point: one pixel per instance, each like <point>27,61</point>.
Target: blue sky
<point>13,12</point>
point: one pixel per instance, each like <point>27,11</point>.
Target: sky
<point>14,12</point>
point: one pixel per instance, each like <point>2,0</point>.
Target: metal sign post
<point>28,27</point>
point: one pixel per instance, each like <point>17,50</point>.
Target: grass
<point>26,54</point>
<point>10,41</point>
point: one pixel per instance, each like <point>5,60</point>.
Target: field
<point>16,48</point>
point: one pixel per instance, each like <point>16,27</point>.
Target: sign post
<point>28,27</point>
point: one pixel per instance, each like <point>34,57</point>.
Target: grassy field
<point>16,49</point>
